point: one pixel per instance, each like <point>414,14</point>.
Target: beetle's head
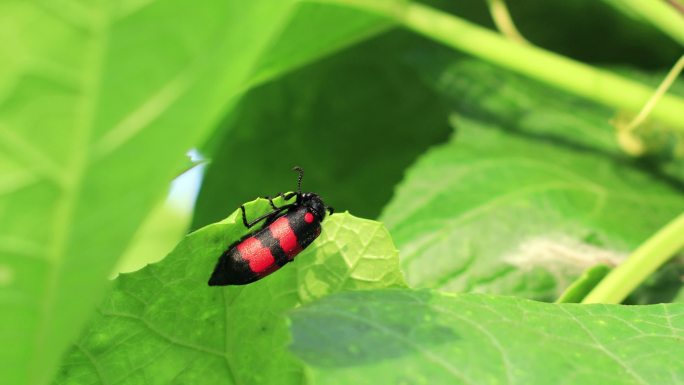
<point>315,204</point>
<point>310,200</point>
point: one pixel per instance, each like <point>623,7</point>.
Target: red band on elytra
<point>259,257</point>
<point>287,238</point>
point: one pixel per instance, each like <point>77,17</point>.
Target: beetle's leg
<point>244,216</point>
<point>270,200</point>
<point>330,210</point>
<point>270,218</point>
<point>276,210</point>
<point>286,197</point>
<point>275,216</point>
<point>271,215</point>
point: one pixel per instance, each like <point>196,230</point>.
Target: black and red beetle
<point>287,231</point>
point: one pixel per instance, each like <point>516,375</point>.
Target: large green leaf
<point>314,31</point>
<point>425,337</point>
<point>155,238</point>
<point>496,96</point>
<point>98,103</point>
<point>520,213</point>
<point>546,127</point>
<point>163,324</point>
<point>354,122</point>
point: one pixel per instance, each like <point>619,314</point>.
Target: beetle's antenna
<point>299,179</point>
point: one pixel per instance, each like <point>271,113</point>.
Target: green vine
<point>556,70</point>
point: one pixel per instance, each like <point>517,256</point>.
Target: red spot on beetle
<point>308,217</point>
<point>259,257</point>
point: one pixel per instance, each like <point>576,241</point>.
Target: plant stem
<point>677,5</point>
<point>503,20</point>
<point>564,73</point>
<point>662,89</point>
<point>658,13</point>
<point>640,265</point>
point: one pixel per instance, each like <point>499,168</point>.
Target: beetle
<point>287,230</point>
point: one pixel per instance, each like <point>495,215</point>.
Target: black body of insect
<point>287,230</point>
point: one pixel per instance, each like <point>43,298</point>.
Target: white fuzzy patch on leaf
<point>561,255</point>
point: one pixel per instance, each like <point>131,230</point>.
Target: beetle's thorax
<point>313,203</point>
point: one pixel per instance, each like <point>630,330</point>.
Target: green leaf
<point>353,122</point>
<point>163,324</point>
<point>579,289</point>
<point>487,93</point>
<point>521,213</point>
<point>98,104</point>
<point>157,236</point>
<point>314,31</point>
<point>425,337</point>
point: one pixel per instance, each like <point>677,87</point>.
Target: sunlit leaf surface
<point>164,324</point>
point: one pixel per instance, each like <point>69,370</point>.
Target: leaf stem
<point>677,6</point>
<point>662,89</point>
<point>564,73</point>
<point>640,265</point>
<point>504,22</point>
